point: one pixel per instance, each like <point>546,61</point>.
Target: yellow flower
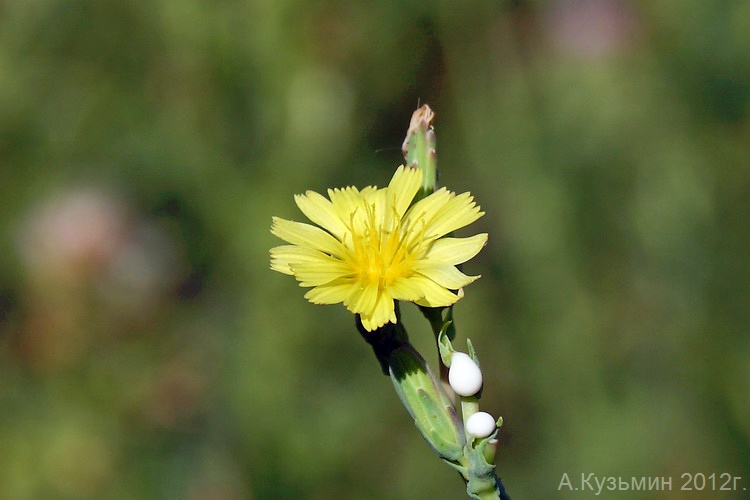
<point>374,248</point>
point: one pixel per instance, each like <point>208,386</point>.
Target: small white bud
<point>480,424</point>
<point>464,375</point>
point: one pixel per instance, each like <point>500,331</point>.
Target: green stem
<point>476,464</point>
<point>469,406</point>
<point>420,392</point>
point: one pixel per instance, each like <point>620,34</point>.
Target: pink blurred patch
<point>73,234</point>
<point>591,28</point>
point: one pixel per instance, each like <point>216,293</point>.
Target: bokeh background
<point>147,351</point>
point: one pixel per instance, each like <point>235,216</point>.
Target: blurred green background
<point>147,351</point>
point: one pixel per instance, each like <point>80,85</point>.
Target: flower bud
<point>420,392</point>
<point>480,424</point>
<point>464,376</point>
<point>419,148</point>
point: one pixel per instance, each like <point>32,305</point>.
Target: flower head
<point>373,247</point>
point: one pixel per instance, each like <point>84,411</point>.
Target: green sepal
<point>472,352</point>
<point>481,478</point>
<point>444,344</point>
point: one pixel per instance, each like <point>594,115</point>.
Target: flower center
<point>380,255</point>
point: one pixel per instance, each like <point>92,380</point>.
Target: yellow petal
<point>403,187</point>
<point>364,300</point>
<point>434,295</point>
<point>405,289</point>
<point>383,312</point>
<point>369,215</point>
<point>320,272</point>
<point>445,275</point>
<point>422,212</point>
<point>456,250</point>
<point>459,211</point>
<point>329,294</point>
<point>368,323</point>
<point>345,202</point>
<point>305,235</point>
<point>322,212</point>
<point>443,212</point>
<point>284,256</point>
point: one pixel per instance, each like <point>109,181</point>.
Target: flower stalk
<point>434,414</point>
<point>476,464</point>
<point>371,249</point>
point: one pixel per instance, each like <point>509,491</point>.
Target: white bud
<point>464,375</point>
<point>480,424</point>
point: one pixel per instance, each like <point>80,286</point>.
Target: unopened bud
<point>420,392</point>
